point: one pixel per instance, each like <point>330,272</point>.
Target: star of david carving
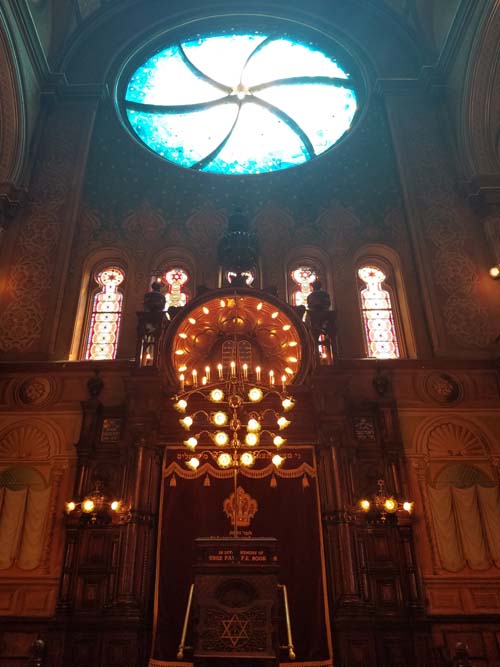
<point>235,629</point>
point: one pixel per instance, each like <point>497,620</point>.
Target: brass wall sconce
<point>383,504</point>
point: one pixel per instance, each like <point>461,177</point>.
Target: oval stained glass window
<point>240,103</point>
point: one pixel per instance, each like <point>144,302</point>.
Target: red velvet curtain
<point>287,510</point>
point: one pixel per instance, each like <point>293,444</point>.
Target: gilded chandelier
<point>383,504</point>
<point>245,414</point>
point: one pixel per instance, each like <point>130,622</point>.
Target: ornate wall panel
<point>45,230</point>
<point>447,254</point>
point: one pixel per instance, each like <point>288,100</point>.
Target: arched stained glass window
<point>104,326</point>
<point>378,317</point>
<point>303,278</point>
<point>176,278</point>
<point>240,103</point>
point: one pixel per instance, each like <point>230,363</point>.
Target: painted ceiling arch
<point>12,116</point>
<point>356,26</point>
<point>479,131</point>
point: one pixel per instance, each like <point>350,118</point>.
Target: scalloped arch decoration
<point>25,442</point>
<point>455,439</point>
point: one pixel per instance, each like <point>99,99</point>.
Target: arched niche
<point>269,331</point>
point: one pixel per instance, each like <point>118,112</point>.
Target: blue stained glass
<point>271,147</point>
<point>282,58</point>
<point>223,58</point>
<point>240,104</point>
<point>325,113</point>
<point>153,83</point>
<point>166,133</point>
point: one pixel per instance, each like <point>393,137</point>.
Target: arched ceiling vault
<point>479,122</point>
<point>357,23</point>
<point>12,119</point>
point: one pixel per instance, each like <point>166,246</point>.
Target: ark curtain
<point>192,506</point>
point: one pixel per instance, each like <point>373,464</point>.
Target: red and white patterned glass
<point>176,278</point>
<point>106,315</point>
<point>378,317</point>
<point>303,277</point>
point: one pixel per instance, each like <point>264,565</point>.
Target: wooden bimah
<point>236,603</point>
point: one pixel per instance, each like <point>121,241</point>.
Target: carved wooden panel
<point>120,651</point>
<point>83,650</point>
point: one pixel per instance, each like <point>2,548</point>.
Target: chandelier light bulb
<point>181,405</point>
<point>255,394</point>
<point>277,460</point>
<point>247,459</point>
<point>221,439</point>
<point>224,460</point>
<point>115,505</point>
<point>253,425</point>
<point>365,505</point>
<point>193,463</point>
<point>251,439</point>
<point>191,443</point>
<point>70,507</point>
<point>216,395</point>
<point>278,441</point>
<point>88,506</point>
<point>287,403</point>
<point>283,423</point>
<point>408,507</point>
<point>219,418</point>
<point>186,422</point>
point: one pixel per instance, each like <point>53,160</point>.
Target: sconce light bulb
<point>495,272</point>
<point>88,506</point>
<point>390,505</point>
<point>115,505</point>
<point>365,505</point>
<point>408,507</point>
<point>70,507</point>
